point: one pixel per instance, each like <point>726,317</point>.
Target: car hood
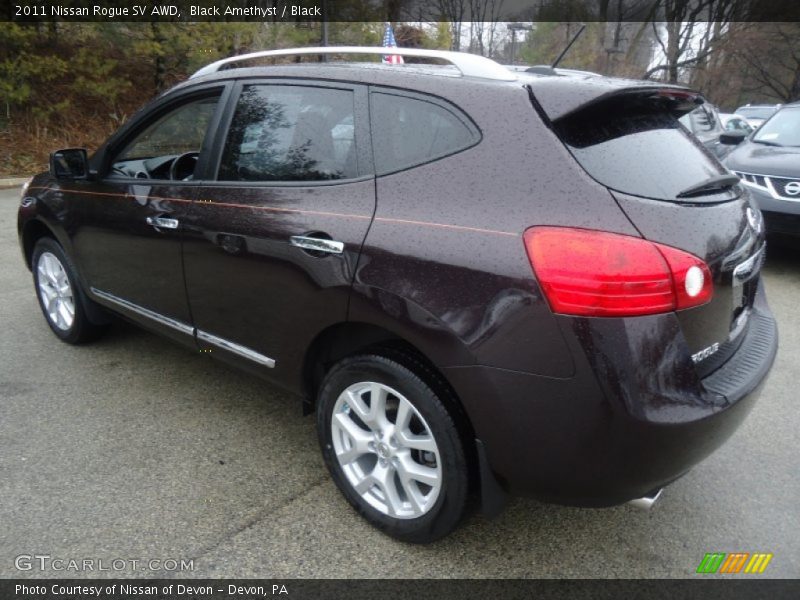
<point>765,160</point>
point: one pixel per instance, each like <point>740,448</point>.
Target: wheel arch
<point>32,232</point>
<point>335,343</point>
<point>36,229</point>
<point>350,338</point>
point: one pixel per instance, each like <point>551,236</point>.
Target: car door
<point>271,246</point>
<point>128,237</point>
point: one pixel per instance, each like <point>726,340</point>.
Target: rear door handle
<point>317,244</point>
<point>162,222</point>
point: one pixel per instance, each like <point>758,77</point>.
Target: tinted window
<point>637,151</point>
<point>407,132</point>
<point>151,152</point>
<point>290,133</point>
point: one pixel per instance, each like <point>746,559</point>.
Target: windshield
<point>756,112</point>
<point>782,129</point>
<point>638,151</point>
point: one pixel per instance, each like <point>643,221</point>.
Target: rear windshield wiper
<point>712,184</point>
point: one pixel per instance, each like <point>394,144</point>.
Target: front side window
<point>407,131</point>
<point>176,136</point>
<point>290,133</point>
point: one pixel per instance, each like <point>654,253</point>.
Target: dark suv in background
<point>478,280</point>
<point>769,165</point>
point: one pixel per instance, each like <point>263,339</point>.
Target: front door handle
<point>162,222</point>
<point>317,244</point>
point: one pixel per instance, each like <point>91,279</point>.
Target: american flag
<point>389,42</point>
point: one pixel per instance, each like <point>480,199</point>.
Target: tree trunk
<point>794,89</point>
<point>160,68</point>
<point>673,50</point>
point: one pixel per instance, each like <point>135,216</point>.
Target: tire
<point>403,467</point>
<point>62,302</point>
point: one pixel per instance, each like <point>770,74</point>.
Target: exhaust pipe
<point>646,502</point>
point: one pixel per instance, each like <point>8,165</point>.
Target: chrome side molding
<point>236,348</point>
<point>219,342</point>
<point>145,312</point>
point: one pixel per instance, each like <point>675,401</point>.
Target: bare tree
<point>484,15</point>
<point>770,57</point>
<point>692,30</point>
<point>453,11</point>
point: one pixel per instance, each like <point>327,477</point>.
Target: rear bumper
<point>633,418</point>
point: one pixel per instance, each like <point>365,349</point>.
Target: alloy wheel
<point>55,290</point>
<point>386,450</point>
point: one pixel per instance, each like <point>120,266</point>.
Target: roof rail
<point>470,65</point>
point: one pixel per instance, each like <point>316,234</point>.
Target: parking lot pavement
<point>133,448</point>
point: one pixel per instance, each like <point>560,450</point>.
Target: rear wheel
<point>60,299</point>
<point>392,448</point>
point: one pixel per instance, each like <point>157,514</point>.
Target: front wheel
<point>392,447</point>
<point>60,299</point>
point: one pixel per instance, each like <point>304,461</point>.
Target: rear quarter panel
<point>444,263</point>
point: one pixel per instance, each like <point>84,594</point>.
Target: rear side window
<point>637,150</point>
<point>290,133</point>
<point>411,131</point>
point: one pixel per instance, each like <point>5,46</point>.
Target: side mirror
<point>70,163</point>
<point>732,138</point>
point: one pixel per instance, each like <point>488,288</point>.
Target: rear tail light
<point>599,274</point>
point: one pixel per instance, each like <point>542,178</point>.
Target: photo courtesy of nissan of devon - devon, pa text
<point>482,281</point>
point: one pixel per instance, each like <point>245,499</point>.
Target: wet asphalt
<point>133,448</point>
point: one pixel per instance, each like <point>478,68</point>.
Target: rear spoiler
<point>559,97</point>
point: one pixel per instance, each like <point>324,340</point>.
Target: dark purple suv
<point>480,281</point>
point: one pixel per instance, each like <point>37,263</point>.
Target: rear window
<point>636,150</point>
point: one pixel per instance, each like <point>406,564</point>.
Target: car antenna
<point>565,50</point>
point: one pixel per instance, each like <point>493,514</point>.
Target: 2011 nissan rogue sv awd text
<point>480,280</point>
